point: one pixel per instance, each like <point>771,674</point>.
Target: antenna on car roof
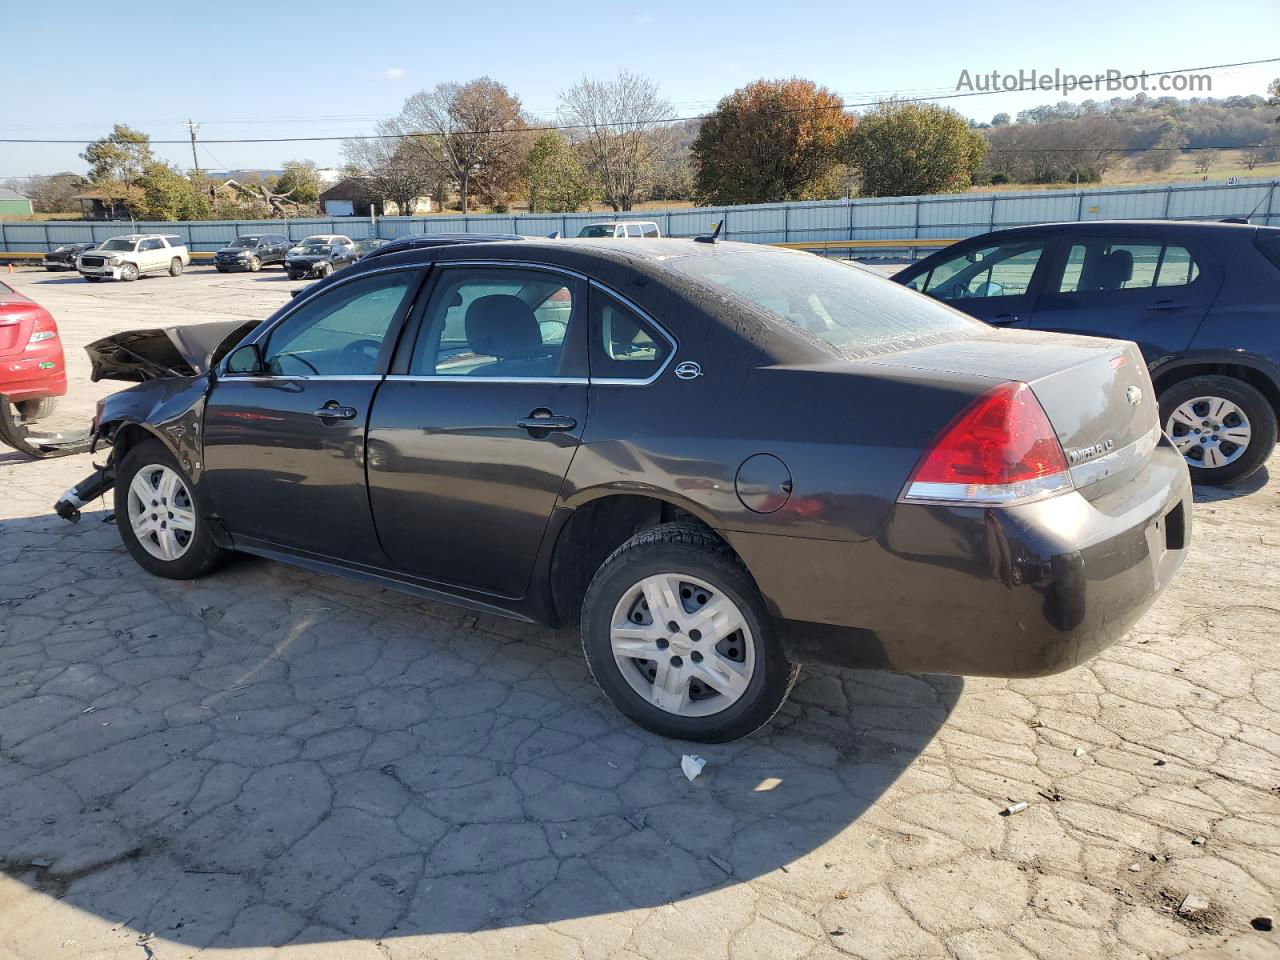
<point>710,237</point>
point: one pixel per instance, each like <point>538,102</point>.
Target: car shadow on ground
<point>269,756</point>
<point>1250,484</point>
<point>64,278</point>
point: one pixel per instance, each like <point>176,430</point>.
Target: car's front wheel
<point>254,264</point>
<point>675,632</point>
<point>129,272</point>
<point>160,521</point>
<point>1224,427</point>
<point>175,267</point>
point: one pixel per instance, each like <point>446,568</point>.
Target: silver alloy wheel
<point>161,513</point>
<point>682,645</point>
<point>1209,431</point>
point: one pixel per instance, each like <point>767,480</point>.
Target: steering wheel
<point>362,349</point>
<point>302,360</point>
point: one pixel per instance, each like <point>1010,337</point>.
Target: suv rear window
<point>849,309</point>
<point>1269,245</point>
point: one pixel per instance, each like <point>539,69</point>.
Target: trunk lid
<point>1096,392</point>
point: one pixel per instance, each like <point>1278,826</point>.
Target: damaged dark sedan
<point>721,459</point>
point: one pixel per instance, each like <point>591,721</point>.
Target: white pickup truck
<point>130,256</point>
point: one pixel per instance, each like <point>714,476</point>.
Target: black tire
<point>175,267</point>
<point>1261,416</point>
<point>202,555</point>
<point>254,264</point>
<point>689,548</point>
<point>129,272</point>
<point>220,268</point>
<point>32,410</point>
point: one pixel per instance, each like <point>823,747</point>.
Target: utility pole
<point>193,127</point>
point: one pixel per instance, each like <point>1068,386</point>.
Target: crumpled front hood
<point>142,355</point>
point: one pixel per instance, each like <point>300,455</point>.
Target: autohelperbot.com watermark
<point>1108,81</point>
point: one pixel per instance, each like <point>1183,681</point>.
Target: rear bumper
<point>1012,592</point>
<point>24,377</point>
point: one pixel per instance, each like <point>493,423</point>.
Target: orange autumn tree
<point>772,140</point>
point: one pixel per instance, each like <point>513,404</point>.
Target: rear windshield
<point>597,230</point>
<point>1269,244</point>
<point>849,309</point>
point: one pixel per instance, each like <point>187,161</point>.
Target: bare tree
<point>391,165</point>
<point>472,129</point>
<point>620,126</point>
<point>1205,159</point>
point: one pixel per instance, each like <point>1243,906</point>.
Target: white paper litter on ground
<point>692,766</point>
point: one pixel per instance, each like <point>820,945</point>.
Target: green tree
<point>555,179</point>
<point>169,194</point>
<point>771,140</point>
<point>300,181</point>
<point>903,149</point>
<point>118,157</point>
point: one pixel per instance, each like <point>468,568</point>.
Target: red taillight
<point>1000,450</point>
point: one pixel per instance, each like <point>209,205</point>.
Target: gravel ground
<point>272,763</point>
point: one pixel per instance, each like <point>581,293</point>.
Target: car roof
<point>1221,227</point>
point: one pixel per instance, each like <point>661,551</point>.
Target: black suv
<point>252,252</point>
<point>1202,301</point>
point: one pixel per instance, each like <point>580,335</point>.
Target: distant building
<point>14,204</point>
<point>355,197</point>
<point>108,204</point>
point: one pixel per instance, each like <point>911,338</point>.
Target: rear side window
<point>852,311</point>
<point>1096,265</point>
<point>651,230</point>
<point>624,346</point>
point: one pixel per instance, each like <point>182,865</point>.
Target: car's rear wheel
<point>1224,427</point>
<point>675,632</point>
<point>254,264</point>
<point>159,519</point>
<point>175,267</point>
<point>129,272</point>
<point>32,410</point>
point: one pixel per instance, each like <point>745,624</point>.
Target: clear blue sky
<point>335,68</point>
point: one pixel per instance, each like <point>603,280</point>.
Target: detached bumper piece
<point>40,446</point>
<point>86,491</point>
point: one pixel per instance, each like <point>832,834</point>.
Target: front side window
<point>624,346</point>
<point>1000,270</point>
<point>651,230</point>
<point>154,244</point>
<point>498,322</point>
<point>1099,265</point>
<point>342,331</point>
<point>633,230</point>
<point>120,243</point>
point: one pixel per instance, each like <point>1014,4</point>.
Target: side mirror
<point>246,359</point>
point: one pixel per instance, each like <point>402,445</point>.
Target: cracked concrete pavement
<point>272,763</point>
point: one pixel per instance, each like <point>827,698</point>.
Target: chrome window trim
<point>261,378</point>
<point>467,378</point>
<point>1091,471</point>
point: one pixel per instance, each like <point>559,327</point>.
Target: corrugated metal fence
<point>862,220</point>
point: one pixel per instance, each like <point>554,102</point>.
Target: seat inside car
<point>1111,271</point>
<point>505,327</point>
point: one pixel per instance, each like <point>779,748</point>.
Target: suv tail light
<point>1001,449</point>
<point>44,328</point>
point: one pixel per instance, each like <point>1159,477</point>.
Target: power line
<point>546,128</point>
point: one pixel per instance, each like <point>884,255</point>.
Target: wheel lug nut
<point>663,643</point>
<point>695,635</point>
<point>677,661</point>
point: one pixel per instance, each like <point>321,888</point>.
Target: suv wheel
<point>1224,427</point>
<point>160,522</point>
<point>254,264</point>
<point>129,272</point>
<point>676,634</point>
<point>175,267</point>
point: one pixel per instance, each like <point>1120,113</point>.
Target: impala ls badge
<point>1134,396</point>
<point>688,370</point>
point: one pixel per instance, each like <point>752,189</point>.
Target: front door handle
<point>1005,318</point>
<point>1167,305</point>
<point>542,421</point>
<point>335,411</point>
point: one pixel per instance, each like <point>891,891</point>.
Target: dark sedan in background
<point>721,459</point>
<point>64,257</point>
<point>252,252</point>
<point>319,259</point>
<point>1201,299</point>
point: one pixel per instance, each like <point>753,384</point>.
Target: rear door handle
<point>542,421</point>
<point>1005,318</point>
<point>335,411</point>
<point>1167,305</point>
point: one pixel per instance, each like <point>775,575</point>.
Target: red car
<point>33,371</point>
